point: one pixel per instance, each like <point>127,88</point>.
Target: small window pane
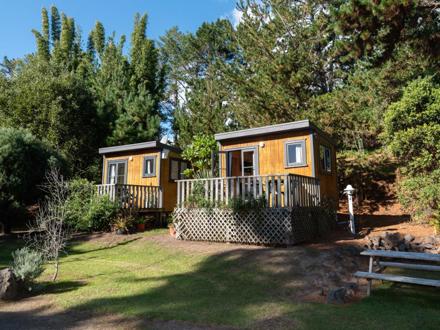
<point>112,174</point>
<point>174,175</point>
<point>149,166</point>
<point>183,167</point>
<point>325,156</point>
<point>295,154</point>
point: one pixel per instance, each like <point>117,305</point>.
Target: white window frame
<point>302,143</point>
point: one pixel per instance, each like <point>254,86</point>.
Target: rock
<point>402,247</point>
<point>428,240</point>
<point>336,296</point>
<point>409,238</point>
<point>8,285</point>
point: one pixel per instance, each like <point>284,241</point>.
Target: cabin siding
<point>135,166</point>
<point>329,181</point>
<point>135,172</point>
<point>271,157</point>
<point>169,187</point>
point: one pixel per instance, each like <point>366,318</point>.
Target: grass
<point>147,279</point>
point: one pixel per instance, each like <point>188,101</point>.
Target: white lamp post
<point>349,190</point>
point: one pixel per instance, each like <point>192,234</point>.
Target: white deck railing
<point>133,196</point>
<point>283,190</point>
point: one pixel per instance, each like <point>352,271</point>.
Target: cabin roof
<point>138,146</point>
<point>272,129</point>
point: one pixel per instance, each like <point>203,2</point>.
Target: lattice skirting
<point>270,226</point>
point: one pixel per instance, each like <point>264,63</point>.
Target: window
<point>325,159</point>
<point>177,166</point>
<point>242,162</point>
<point>149,168</point>
<point>295,153</point>
<point>116,171</point>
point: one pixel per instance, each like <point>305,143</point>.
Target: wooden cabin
<point>298,148</point>
<point>289,165</point>
<point>142,176</point>
<point>272,187</point>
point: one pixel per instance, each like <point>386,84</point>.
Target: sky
<point>19,17</point>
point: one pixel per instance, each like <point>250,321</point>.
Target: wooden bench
<point>414,256</point>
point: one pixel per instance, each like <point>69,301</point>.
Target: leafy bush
<point>413,133</point>
<point>24,161</point>
<point>27,264</point>
<point>199,154</point>
<point>88,211</point>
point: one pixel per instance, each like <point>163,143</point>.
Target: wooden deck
<point>278,191</point>
<point>132,196</point>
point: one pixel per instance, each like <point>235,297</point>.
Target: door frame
<point>116,162</point>
<point>241,149</point>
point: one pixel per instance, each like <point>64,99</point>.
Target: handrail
<point>278,190</point>
<point>133,196</point>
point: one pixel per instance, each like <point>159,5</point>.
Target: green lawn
<point>144,278</point>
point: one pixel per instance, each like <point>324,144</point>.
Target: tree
<point>374,28</point>
<point>198,97</point>
<point>354,111</point>
<point>285,50</point>
<point>412,129</point>
<point>50,233</point>
<point>56,105</point>
<point>24,161</point>
<point>199,153</point>
<point>129,90</point>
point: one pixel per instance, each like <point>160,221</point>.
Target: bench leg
<point>370,270</point>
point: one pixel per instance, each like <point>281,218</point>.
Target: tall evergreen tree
<point>198,97</point>
<point>285,59</point>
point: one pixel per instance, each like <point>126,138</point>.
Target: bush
<point>86,211</point>
<point>413,133</point>
<point>27,264</point>
<point>24,161</point>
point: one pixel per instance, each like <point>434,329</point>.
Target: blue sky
<point>19,17</point>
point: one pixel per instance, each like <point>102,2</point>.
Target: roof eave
<point>137,146</point>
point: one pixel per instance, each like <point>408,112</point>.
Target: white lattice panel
<point>267,226</point>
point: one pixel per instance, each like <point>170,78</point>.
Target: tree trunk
<point>55,274</point>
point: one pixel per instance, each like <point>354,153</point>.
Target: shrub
<point>199,154</point>
<point>87,211</point>
<point>102,212</point>
<point>412,130</point>
<point>24,161</point>
<point>27,264</point>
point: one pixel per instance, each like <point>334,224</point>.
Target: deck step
<point>399,278</point>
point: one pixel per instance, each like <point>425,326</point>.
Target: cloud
<point>236,16</point>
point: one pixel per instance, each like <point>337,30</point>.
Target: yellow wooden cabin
<point>298,148</point>
<point>289,165</point>
<point>142,176</point>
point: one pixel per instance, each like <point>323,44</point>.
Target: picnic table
<point>377,255</point>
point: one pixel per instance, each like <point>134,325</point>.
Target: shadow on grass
<point>252,288</point>
<point>76,242</point>
<point>60,286</point>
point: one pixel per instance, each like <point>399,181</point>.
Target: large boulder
<point>8,285</point>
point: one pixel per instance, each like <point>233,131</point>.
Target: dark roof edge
<point>277,128</point>
<point>138,146</point>
<point>325,135</point>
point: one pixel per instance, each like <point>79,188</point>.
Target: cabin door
<point>241,162</point>
<point>117,172</point>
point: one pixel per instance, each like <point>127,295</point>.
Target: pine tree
<point>98,37</point>
<point>198,98</point>
<point>55,24</point>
